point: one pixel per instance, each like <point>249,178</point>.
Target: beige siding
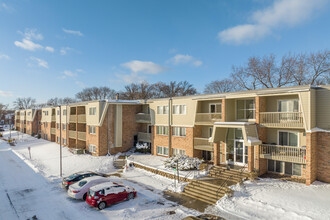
<point>322,113</point>
<point>46,118</point>
<point>64,118</point>
<point>272,136</point>
<point>29,114</point>
<point>230,110</point>
<point>204,106</point>
<point>272,101</point>
<point>94,119</point>
<point>305,104</point>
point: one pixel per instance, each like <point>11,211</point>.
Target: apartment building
<point>48,121</point>
<point>33,121</point>
<point>282,130</point>
<point>17,120</point>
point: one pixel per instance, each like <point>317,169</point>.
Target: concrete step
<point>225,178</point>
<point>226,175</point>
<point>213,194</point>
<point>193,195</point>
<point>206,187</point>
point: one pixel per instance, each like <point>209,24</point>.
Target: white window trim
<point>215,108</point>
<point>89,129</point>
<point>185,112</point>
<point>163,150</point>
<point>164,130</point>
<point>93,148</point>
<point>173,127</point>
<point>278,137</point>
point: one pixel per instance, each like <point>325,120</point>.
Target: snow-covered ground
<point>157,162</point>
<point>275,199</point>
<point>31,187</point>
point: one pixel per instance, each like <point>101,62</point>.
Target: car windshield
<point>72,176</point>
<point>81,183</point>
<point>91,193</point>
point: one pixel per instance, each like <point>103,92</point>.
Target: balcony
<point>81,136</point>
<point>144,137</point>
<point>207,118</point>
<point>73,134</point>
<point>203,144</point>
<point>282,119</point>
<point>72,119</point>
<point>53,117</point>
<point>283,153</point>
<point>53,130</point>
<point>81,118</point>
<point>142,118</point>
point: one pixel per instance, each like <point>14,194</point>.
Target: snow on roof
<point>253,140</point>
<point>316,129</point>
<point>124,101</point>
<point>103,185</point>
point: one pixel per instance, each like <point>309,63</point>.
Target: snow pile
<point>142,146</point>
<point>177,187</point>
<point>275,199</point>
<point>183,162</point>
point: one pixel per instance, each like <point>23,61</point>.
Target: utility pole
<point>60,142</point>
<point>169,126</point>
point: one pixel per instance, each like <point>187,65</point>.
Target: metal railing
<point>208,117</point>
<point>144,137</point>
<point>282,119</point>
<point>225,183</point>
<point>53,118</point>
<point>143,118</point>
<point>81,118</point>
<point>283,153</point>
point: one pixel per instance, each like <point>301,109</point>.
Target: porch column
<point>216,156</point>
<point>250,158</point>
<point>311,163</point>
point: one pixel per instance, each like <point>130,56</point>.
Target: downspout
<point>169,126</point>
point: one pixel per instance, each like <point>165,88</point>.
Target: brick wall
<point>184,143</point>
<point>311,157</point>
<point>323,156</point>
<point>64,134</point>
<point>46,130</point>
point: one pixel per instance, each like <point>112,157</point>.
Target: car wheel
<point>102,205</point>
<point>130,196</point>
<point>85,196</point>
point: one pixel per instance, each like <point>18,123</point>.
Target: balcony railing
<point>144,137</point>
<point>283,153</point>
<point>282,119</point>
<point>72,119</point>
<point>73,134</point>
<point>81,135</point>
<point>53,117</point>
<point>208,118</point>
<point>53,130</point>
<point>203,144</point>
<point>142,118</point>
<point>81,118</point>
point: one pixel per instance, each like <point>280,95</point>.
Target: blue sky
<point>56,48</point>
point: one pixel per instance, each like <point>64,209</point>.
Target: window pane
<point>238,133</point>
<point>165,151</point>
<point>271,165</point>
<point>212,108</point>
<point>279,166</point>
<point>296,106</point>
<point>240,109</point>
<point>288,168</point>
<point>283,138</point>
<point>293,139</point>
<point>297,169</point>
<point>218,108</point>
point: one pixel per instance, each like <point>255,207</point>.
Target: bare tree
<point>319,67</point>
<point>220,86</point>
<point>141,90</point>
<point>3,109</point>
<point>173,88</point>
<point>25,103</point>
<point>59,101</point>
<point>95,93</point>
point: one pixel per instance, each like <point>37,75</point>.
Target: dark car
<point>67,181</point>
<point>1,128</point>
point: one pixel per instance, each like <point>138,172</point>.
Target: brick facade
<point>323,156</point>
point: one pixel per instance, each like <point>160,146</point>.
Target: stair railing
<point>224,183</point>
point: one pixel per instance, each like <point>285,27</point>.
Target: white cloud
<point>49,49</point>
<point>81,84</point>
<point>64,50</point>
<point>40,62</point>
<point>78,33</point>
<point>282,13</point>
<point>4,57</point>
<point>6,7</point>
<point>69,73</point>
<point>185,59</point>
<point>147,67</point>
<point>5,93</point>
<point>130,78</point>
<point>28,45</point>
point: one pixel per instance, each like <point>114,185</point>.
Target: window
<point>287,168</point>
<point>64,126</point>
<point>245,109</point>
<point>64,141</point>
<point>64,112</point>
<point>178,152</point>
<point>179,109</point>
<point>291,105</point>
<point>162,110</point>
<point>162,130</point>
<point>91,129</point>
<point>162,151</point>
<point>216,108</point>
<point>179,131</point>
<point>45,112</point>
<point>92,148</point>
<point>92,111</point>
<point>287,138</point>
<point>210,131</point>
<point>57,125</point>
<point>58,112</point>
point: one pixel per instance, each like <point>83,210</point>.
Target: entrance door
<point>239,152</point>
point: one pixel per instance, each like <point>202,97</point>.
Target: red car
<point>109,193</point>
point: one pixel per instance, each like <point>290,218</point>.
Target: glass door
<point>240,153</point>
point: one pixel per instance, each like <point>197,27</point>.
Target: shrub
<point>183,162</point>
